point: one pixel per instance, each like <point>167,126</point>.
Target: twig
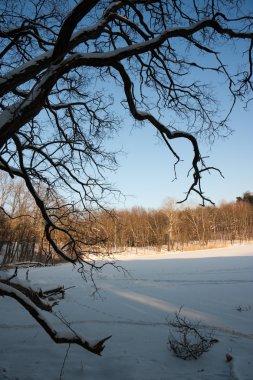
<point>64,361</point>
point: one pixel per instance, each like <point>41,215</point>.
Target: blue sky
<point>146,171</point>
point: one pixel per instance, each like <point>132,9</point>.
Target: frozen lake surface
<point>214,287</point>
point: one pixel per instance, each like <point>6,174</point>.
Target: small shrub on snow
<point>243,308</point>
<point>188,342</point>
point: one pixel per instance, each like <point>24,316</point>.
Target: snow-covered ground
<point>214,287</point>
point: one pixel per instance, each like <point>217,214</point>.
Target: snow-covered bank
<point>213,286</point>
<point>230,251</point>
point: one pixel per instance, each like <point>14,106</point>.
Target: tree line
<point>177,229</point>
<point>22,235</point>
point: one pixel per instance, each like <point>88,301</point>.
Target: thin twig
<point>64,361</point>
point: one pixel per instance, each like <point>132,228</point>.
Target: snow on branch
<point>33,303</point>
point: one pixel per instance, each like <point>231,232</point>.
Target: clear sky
<point>146,171</point>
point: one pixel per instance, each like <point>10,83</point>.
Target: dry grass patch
<point>197,247</point>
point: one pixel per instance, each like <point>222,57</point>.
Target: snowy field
<point>214,287</point>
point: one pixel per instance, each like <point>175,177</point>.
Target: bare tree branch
<point>69,337</point>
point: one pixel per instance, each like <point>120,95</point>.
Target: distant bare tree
<point>57,60</point>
